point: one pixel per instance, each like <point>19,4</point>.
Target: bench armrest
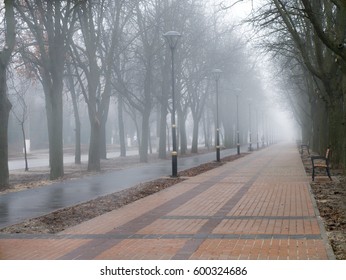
<point>318,157</point>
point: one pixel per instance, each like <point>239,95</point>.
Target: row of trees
<point>114,49</point>
<point>308,41</point>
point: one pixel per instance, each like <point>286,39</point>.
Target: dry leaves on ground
<point>330,197</point>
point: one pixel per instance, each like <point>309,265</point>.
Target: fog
<point>111,83</point>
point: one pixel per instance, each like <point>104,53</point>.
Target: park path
<point>257,207</point>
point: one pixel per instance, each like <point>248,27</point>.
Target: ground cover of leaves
<point>330,197</point>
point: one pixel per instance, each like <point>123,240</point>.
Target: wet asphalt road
<point>18,206</point>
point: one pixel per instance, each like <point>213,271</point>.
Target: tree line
<point>307,40</point>
<point>103,50</point>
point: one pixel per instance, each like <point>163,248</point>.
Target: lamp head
<point>172,38</point>
<point>216,73</point>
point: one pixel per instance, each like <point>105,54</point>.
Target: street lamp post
<point>172,38</point>
<point>238,141</point>
<point>257,129</point>
<point>250,138</point>
<point>216,75</point>
<point>263,130</point>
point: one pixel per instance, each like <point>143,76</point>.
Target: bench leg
<point>328,172</point>
<point>313,173</point>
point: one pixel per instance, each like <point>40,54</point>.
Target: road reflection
<point>18,206</point>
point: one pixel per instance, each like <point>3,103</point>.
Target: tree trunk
<point>319,133</point>
<point>77,155</point>
<point>163,135</point>
<point>206,132</point>
<point>121,127</point>
<point>24,145</point>
<point>5,108</point>
<point>343,140</point>
<point>183,137</point>
<point>5,104</point>
<point>228,138</point>
<point>138,132</point>
<point>150,143</point>
<point>94,163</point>
<point>194,147</point>
<point>143,150</point>
<point>105,108</point>
<point>335,116</point>
<point>164,109</point>
<point>335,134</point>
<point>54,111</point>
<point>103,141</point>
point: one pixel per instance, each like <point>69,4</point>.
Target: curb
<point>329,249</point>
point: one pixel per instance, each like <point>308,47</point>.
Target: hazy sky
<point>239,11</point>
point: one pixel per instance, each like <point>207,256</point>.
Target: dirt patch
<point>330,197</point>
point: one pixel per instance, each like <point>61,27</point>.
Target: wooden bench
<point>321,162</point>
<point>298,143</point>
<point>302,147</point>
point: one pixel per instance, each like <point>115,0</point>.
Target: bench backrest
<point>328,153</point>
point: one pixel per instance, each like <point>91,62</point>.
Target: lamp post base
<point>174,164</point>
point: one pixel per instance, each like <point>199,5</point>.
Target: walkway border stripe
<point>192,245</point>
<point>95,247</point>
<point>238,217</point>
<point>166,236</point>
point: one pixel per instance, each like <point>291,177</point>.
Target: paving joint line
<point>133,226</point>
<point>195,236</point>
<point>192,245</point>
<point>238,217</point>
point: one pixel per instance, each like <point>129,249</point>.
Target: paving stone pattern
<point>257,207</point>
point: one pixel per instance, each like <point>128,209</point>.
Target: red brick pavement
<point>257,207</point>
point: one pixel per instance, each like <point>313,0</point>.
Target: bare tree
<point>20,110</point>
<point>95,48</point>
<point>5,104</point>
<point>148,46</point>
<point>50,24</point>
<point>139,87</point>
<point>332,28</point>
<point>318,45</point>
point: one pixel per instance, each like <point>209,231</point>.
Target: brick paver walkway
<point>257,207</point>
